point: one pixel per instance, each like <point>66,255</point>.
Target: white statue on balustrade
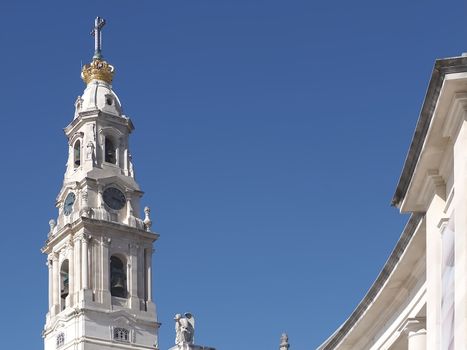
<point>184,328</point>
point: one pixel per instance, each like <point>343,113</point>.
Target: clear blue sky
<point>269,139</point>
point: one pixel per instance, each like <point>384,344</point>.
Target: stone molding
<point>441,68</point>
<point>414,326</point>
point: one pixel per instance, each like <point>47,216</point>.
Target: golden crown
<point>97,69</point>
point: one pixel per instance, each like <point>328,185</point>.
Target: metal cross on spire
<point>97,33</point>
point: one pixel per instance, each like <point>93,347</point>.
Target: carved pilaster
<point>148,268</point>
<point>104,292</point>
<point>49,264</point>
<point>133,278</point>
<point>85,263</point>
<point>71,273</point>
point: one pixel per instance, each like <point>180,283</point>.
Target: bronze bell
<point>118,285</point>
<point>64,290</point>
<point>118,282</point>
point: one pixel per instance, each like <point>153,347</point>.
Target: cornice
<point>90,225</point>
<point>441,68</point>
<point>97,114</point>
<point>122,228</point>
<point>434,183</point>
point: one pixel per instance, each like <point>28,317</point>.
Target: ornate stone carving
<point>81,237</point>
<point>86,211</point>
<point>184,329</point>
<point>106,241</point>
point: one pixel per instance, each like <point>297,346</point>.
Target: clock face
<point>68,205</point>
<point>114,198</point>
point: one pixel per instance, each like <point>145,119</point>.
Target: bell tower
<point>99,250</point>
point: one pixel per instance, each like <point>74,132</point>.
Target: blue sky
<point>269,139</point>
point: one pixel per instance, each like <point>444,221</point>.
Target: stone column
<point>434,214</point>
<point>77,267</point>
<point>460,244</point>
<point>125,158</point>
<point>55,285</point>
<point>49,266</point>
<point>71,275</point>
<point>104,264</point>
<point>415,328</point>
<point>133,277</point>
<point>129,208</point>
<point>148,259</point>
<point>85,277</point>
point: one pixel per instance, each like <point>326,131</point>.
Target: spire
<point>98,69</point>
<point>284,342</point>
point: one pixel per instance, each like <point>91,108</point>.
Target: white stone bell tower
<point>99,250</point>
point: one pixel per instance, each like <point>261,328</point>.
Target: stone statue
<point>284,342</point>
<point>78,103</point>
<point>52,225</point>
<point>184,329</point>
<point>90,151</point>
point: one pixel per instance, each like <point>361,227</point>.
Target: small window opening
<point>117,278</point>
<point>108,100</point>
<point>64,283</point>
<point>121,334</point>
<point>77,154</point>
<point>60,339</point>
<point>110,151</point>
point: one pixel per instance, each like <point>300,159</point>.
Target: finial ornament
<point>99,23</point>
<point>284,342</point>
<point>98,69</point>
<point>147,220</point>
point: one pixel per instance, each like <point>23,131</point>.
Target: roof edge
<point>404,240</point>
<point>441,68</point>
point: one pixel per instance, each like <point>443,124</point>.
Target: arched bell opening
<point>118,280</point>
<point>110,151</point>
<point>77,154</point>
<point>64,283</point>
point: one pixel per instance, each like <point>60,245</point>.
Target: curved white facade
<point>419,300</point>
